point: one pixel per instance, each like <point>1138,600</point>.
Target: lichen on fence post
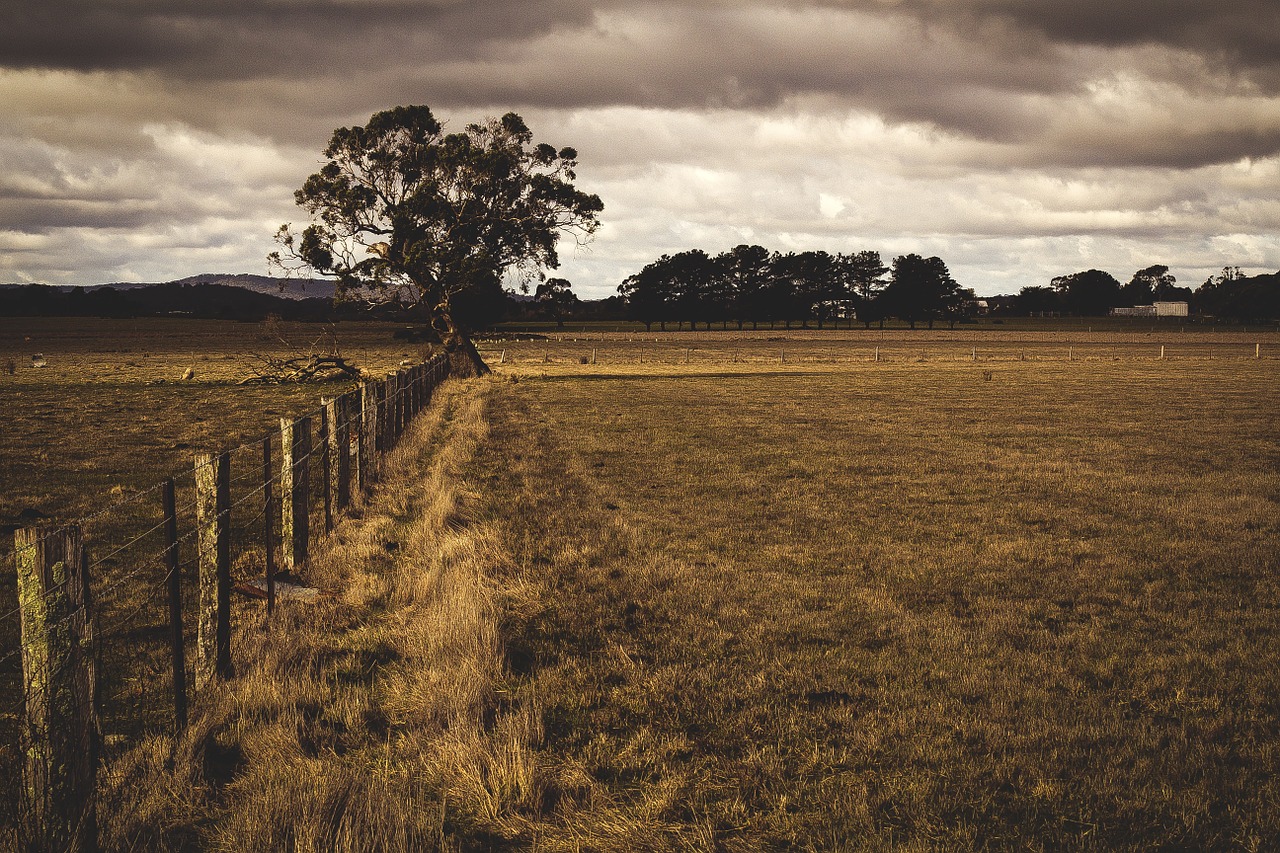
<point>213,538</point>
<point>295,491</point>
<point>369,433</point>
<point>389,423</point>
<point>326,463</point>
<point>338,437</point>
<point>61,734</point>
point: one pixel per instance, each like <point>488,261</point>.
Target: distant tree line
<point>751,285</point>
<point>1093,293</point>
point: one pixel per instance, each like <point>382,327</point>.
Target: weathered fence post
<point>60,738</point>
<point>178,656</point>
<point>326,463</point>
<point>381,387</point>
<point>339,454</point>
<point>415,392</point>
<point>213,538</point>
<point>295,491</point>
<point>369,433</point>
<point>268,526</point>
<point>393,399</point>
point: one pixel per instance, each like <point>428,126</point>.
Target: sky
<point>1018,140</point>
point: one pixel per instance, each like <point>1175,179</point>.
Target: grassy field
<point>90,435</point>
<point>902,607</point>
<point>1066,341</point>
<point>821,603</point>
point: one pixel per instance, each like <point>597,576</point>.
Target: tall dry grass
<point>376,719</point>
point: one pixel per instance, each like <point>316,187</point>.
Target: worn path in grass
<point>904,607</point>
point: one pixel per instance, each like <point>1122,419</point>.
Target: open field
<point>821,604</point>
<point>904,606</point>
<point>858,346</point>
<point>89,436</point>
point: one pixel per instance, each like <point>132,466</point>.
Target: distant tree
<point>1037,301</point>
<point>1239,297</point>
<point>922,289</point>
<point>1092,293</point>
<point>817,284</point>
<point>694,280</point>
<point>864,274</point>
<point>651,293</point>
<point>403,212</point>
<point>556,299</point>
<point>746,273</point>
<point>1152,284</point>
<point>785,294</point>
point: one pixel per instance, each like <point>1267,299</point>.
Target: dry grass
<point>902,607</point>
<point>376,720</point>
<point>750,351</point>
<point>834,605</point>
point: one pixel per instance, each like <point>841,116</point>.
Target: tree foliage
<point>405,212</point>
<point>752,284</point>
<point>1092,293</point>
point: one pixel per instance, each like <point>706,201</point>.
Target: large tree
<point>404,212</point>
<point>1091,293</point>
<point>922,289</point>
<point>864,276</point>
<point>556,298</point>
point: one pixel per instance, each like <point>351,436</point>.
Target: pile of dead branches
<point>321,361</point>
<point>301,368</point>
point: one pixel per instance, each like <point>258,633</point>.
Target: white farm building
<point>1156,309</point>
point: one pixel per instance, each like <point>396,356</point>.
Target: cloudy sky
<point>147,140</point>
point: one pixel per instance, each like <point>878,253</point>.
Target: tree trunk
<point>464,358</point>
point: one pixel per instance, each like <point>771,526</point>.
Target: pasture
<point>900,605</point>
<point>721,599</point>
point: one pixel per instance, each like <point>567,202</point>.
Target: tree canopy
<point>404,212</point>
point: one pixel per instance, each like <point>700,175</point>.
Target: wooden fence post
<point>327,480</point>
<point>60,738</point>
<point>213,538</point>
<point>369,433</point>
<point>268,526</point>
<point>177,650</point>
<point>380,385</point>
<point>295,491</point>
<point>339,437</point>
<point>415,392</point>
<point>393,398</point>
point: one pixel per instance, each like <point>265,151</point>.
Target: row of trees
<point>750,284</point>
<point>1094,293</point>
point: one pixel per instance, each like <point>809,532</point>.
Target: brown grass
<point>903,608</point>
<point>375,720</point>
<point>829,606</point>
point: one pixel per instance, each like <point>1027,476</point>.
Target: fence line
<point>590,351</point>
<point>114,647</point>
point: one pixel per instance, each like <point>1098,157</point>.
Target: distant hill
<point>285,288</point>
<point>242,297</point>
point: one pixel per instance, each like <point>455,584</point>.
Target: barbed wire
<point>355,412</point>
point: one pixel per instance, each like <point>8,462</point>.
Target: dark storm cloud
<point>1244,32</point>
<point>995,70</point>
<point>134,130</point>
<point>233,40</point>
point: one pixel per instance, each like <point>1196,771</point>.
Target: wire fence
<point>102,647</point>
